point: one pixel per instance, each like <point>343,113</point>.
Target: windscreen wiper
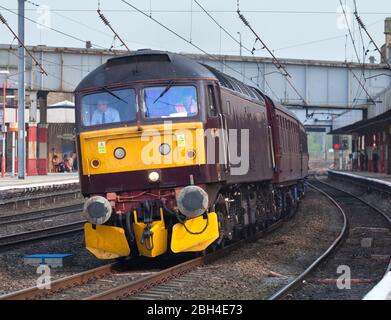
<point>114,95</point>
<point>170,84</point>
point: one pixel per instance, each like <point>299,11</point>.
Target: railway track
<point>37,198</point>
<point>121,284</point>
<point>39,214</point>
<point>40,234</point>
<point>362,249</point>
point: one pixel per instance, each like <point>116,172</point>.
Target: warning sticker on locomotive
<point>181,140</point>
<point>102,147</point>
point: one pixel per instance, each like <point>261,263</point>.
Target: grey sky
<point>282,25</point>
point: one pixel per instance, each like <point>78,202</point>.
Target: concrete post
<point>32,137</point>
<point>32,149</point>
<point>42,134</point>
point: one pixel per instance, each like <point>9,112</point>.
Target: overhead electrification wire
<point>186,40</point>
<point>276,62</point>
<point>73,85</point>
<point>238,42</point>
<point>362,25</point>
<point>109,35</point>
<point>53,29</point>
<point>350,31</point>
<point>217,11</point>
<point>364,51</point>
<point>319,40</point>
<point>222,28</point>
<point>370,99</point>
<point>107,23</point>
<point>4,21</point>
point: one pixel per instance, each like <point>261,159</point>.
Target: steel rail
<point>39,214</point>
<point>165,275</point>
<point>134,286</point>
<point>62,284</point>
<point>40,234</point>
<point>15,198</point>
<point>373,207</point>
<point>298,280</point>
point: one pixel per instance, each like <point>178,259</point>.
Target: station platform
<point>377,180</point>
<point>9,183</point>
<point>382,291</point>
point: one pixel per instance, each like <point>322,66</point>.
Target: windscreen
<point>170,101</point>
<point>108,107</point>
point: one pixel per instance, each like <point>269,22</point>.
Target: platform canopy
<point>380,120</point>
<point>62,104</point>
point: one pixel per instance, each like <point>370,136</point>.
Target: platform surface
<point>382,291</point>
<point>370,176</point>
<point>52,179</point>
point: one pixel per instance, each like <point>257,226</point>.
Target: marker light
<point>119,153</point>
<point>153,176</point>
<point>95,163</point>
<point>164,149</point>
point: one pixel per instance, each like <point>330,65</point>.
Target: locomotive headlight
<point>164,149</point>
<point>192,201</point>
<point>153,176</point>
<point>119,153</point>
<point>97,210</point>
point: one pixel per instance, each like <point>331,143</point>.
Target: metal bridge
<point>335,92</point>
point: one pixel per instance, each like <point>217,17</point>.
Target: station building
<point>60,124</point>
<point>369,138</point>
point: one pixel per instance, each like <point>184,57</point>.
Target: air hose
<point>147,234</point>
<point>183,222</point>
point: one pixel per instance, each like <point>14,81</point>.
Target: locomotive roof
<point>149,64</point>
<point>144,65</point>
<point>234,84</point>
<point>152,64</point>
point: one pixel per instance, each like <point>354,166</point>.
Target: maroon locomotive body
<point>230,157</point>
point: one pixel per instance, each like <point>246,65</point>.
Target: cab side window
<point>212,105</point>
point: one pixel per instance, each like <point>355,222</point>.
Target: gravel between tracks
<point>374,197</point>
<point>14,275</point>
<point>249,273</point>
<point>40,223</point>
<point>4,211</point>
<point>259,269</point>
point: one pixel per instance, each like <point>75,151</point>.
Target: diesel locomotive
<point>176,156</point>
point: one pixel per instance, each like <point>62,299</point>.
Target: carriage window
<point>110,106</point>
<point>170,101</point>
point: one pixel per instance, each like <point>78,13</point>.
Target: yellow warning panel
<point>155,244</point>
<point>106,242</point>
<point>183,241</point>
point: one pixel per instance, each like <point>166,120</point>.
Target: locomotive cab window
<point>170,101</point>
<point>108,107</point>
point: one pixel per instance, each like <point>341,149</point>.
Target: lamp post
<point>21,93</point>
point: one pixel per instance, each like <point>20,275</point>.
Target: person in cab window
<point>187,106</point>
<point>190,105</point>
<point>104,114</point>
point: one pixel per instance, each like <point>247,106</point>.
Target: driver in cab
<point>104,114</point>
